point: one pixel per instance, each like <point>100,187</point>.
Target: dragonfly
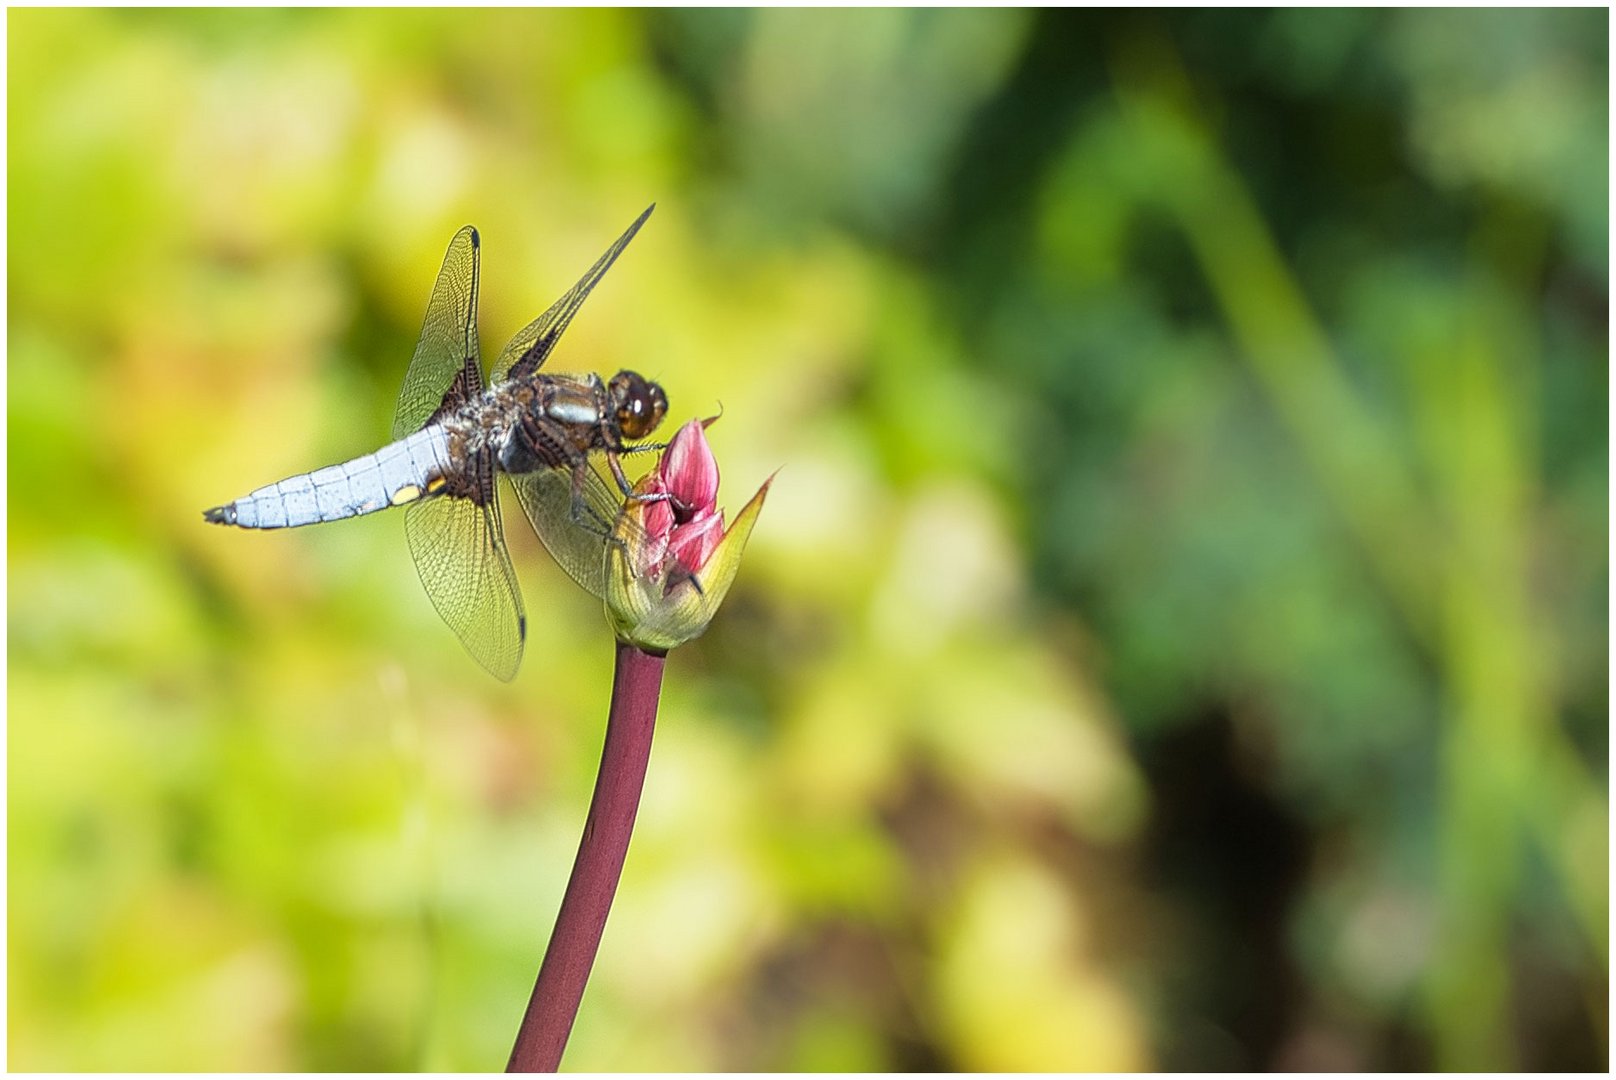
<point>557,437</point>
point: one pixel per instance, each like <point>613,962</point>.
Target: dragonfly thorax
<point>540,422</point>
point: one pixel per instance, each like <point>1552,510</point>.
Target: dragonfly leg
<point>584,515</point>
<point>628,489</point>
<point>589,518</point>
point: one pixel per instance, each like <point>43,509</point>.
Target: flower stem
<point>560,986</point>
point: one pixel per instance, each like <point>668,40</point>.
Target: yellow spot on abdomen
<point>435,485</point>
<point>406,494</point>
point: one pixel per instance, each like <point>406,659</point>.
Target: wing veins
<point>447,346</point>
<point>532,345</point>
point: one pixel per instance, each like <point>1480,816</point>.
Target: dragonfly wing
<point>529,349</point>
<point>445,369</point>
<point>459,550</point>
<point>574,531</point>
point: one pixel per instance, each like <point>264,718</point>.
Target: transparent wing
<point>446,360</point>
<point>459,550</point>
<point>529,349</point>
<point>575,533</point>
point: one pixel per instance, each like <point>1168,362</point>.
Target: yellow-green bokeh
<point>1132,381</point>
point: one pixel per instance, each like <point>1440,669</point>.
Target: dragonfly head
<point>637,403</point>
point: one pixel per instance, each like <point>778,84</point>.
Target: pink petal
<point>692,543</point>
<point>689,471</point>
<point>658,516</point>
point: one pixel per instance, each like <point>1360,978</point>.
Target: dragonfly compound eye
<point>640,404</point>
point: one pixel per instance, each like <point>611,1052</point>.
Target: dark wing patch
<point>467,384</point>
<point>529,349</point>
<point>446,359</point>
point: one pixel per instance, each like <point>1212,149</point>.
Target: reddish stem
<point>560,986</point>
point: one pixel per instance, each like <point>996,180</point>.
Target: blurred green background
<point>1176,637</point>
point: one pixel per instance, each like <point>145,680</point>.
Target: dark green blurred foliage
<point>1177,637</point>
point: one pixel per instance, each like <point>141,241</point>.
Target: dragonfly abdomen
<point>398,473</point>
